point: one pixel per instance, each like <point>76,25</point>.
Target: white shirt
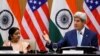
<point>80,36</point>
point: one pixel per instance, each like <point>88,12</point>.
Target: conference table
<point>63,51</point>
<point>48,53</point>
<point>28,54</point>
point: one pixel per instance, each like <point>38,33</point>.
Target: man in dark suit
<point>80,36</point>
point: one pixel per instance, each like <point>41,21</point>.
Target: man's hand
<point>46,37</point>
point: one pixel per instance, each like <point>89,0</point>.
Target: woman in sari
<point>15,42</point>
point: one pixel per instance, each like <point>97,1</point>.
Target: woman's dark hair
<point>12,31</point>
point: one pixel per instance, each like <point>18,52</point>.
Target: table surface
<point>46,53</point>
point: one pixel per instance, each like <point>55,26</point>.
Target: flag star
<point>90,7</point>
<point>87,1</point>
<point>39,3</point>
<point>91,1</point>
<point>35,2</point>
<point>31,1</point>
<point>96,2</point>
<point>34,7</point>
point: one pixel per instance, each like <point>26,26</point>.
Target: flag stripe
<point>1,40</point>
<point>43,17</point>
<point>72,5</point>
<point>39,20</point>
<point>15,7</point>
<point>24,34</point>
<point>98,9</point>
<point>27,29</point>
<point>96,15</point>
<point>46,11</point>
<point>34,31</point>
<point>90,25</point>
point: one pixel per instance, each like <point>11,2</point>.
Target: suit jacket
<point>70,39</point>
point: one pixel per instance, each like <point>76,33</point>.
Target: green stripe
<point>54,32</point>
<point>1,41</point>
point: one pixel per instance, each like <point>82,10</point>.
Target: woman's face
<point>16,36</point>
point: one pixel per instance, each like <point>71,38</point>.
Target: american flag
<point>92,9</point>
<point>36,20</point>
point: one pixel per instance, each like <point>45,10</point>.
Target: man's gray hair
<point>81,15</point>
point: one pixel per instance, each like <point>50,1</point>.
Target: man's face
<point>78,24</point>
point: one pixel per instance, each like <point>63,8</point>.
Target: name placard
<point>8,52</point>
<point>73,52</point>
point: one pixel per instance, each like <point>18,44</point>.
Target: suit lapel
<point>85,36</point>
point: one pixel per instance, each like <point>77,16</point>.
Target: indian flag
<point>61,20</point>
<point>11,12</point>
<point>7,17</point>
